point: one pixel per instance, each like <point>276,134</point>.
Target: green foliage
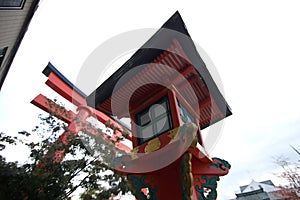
<point>41,178</point>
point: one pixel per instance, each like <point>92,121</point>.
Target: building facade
<point>15,16</point>
<point>264,190</point>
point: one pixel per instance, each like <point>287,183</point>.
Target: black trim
<point>50,68</point>
<point>253,192</point>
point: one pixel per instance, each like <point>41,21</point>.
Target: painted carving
<point>152,145</point>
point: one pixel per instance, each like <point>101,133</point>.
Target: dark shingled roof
<point>149,51</point>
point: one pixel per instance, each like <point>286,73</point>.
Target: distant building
<point>264,190</point>
<point>15,16</point>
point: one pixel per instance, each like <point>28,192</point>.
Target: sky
<point>254,46</point>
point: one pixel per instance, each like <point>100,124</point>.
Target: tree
<point>291,174</point>
<point>59,180</point>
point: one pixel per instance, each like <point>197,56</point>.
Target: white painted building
<point>15,16</point>
<point>264,190</point>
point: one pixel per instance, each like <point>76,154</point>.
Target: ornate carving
<point>185,132</point>
<point>220,163</point>
<point>152,145</point>
<point>173,135</point>
<point>186,177</point>
<point>138,183</point>
<point>134,152</point>
<point>208,189</point>
<point>194,142</point>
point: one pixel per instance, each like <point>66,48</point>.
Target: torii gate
<point>76,121</point>
<point>193,174</point>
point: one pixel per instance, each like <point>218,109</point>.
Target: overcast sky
<point>254,45</point>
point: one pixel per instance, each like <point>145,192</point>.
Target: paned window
<point>11,4</point>
<point>154,120</point>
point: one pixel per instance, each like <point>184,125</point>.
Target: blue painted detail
<point>50,68</point>
<point>221,164</point>
<point>139,183</point>
<point>211,183</point>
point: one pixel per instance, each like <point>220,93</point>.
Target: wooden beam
<point>64,90</point>
<point>67,116</point>
<point>51,107</point>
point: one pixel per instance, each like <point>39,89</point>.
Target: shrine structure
<point>169,96</point>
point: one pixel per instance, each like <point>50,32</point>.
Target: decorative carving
<point>208,189</point>
<point>220,163</point>
<point>194,142</point>
<point>185,132</point>
<point>152,145</point>
<point>186,177</point>
<point>138,183</point>
<point>173,135</point>
<point>134,152</point>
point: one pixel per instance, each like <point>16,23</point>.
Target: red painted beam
<point>68,93</point>
<point>50,106</point>
<point>111,123</point>
<point>67,116</point>
<point>64,90</point>
<point>201,168</point>
<point>57,151</point>
<point>87,128</point>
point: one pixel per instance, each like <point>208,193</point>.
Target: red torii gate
<point>76,121</point>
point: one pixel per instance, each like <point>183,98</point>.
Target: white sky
<point>254,45</point>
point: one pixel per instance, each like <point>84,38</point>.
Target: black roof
<point>50,68</point>
<point>157,44</point>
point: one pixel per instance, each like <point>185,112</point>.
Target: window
<point>185,115</point>
<point>11,4</point>
<point>154,120</point>
<point>2,54</point>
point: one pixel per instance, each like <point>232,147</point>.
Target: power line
<point>297,151</point>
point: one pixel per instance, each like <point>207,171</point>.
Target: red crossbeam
<point>62,88</point>
<point>50,106</point>
<point>68,116</point>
